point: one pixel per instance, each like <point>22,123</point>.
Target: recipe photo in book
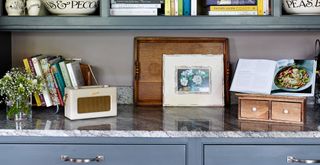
<point>284,77</point>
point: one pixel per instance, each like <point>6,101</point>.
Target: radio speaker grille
<point>94,104</point>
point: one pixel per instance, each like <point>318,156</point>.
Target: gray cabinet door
<point>43,154</point>
<point>258,154</point>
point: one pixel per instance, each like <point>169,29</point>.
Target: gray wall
<point>111,52</point>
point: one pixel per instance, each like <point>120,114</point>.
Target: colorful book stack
<point>238,7</point>
<point>58,73</point>
<point>135,7</point>
<point>180,7</point>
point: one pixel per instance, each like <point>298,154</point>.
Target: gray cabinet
<point>50,154</point>
<point>103,21</point>
<point>158,151</point>
<point>259,154</point>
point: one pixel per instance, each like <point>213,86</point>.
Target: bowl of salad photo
<point>293,78</point>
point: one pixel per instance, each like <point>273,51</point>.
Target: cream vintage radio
<point>90,102</point>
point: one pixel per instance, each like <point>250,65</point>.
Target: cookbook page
<point>294,77</point>
<point>253,76</point>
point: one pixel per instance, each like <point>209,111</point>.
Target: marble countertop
<point>161,122</point>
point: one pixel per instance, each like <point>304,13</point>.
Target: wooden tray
<point>148,63</point>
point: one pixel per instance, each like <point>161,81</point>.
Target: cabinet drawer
<point>286,111</point>
<point>254,109</point>
<point>258,154</point>
<point>17,154</point>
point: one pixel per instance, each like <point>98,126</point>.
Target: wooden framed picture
<point>193,80</point>
<point>148,69</point>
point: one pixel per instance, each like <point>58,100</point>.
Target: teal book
<point>55,69</point>
<point>186,7</point>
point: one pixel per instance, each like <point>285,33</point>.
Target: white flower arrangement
<point>17,83</point>
<point>17,86</point>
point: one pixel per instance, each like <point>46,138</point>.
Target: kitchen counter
<point>161,122</point>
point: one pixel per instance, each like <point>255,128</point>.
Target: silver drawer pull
<point>66,158</point>
<point>291,159</point>
<point>285,111</point>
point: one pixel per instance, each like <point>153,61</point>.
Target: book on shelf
<point>136,1</point>
<point>135,5</point>
<point>194,7</point>
<point>75,73</point>
<point>167,8</point>
<point>172,7</point>
<point>231,2</point>
<point>55,69</point>
<point>212,13</point>
<point>29,70</point>
<point>234,8</point>
<point>288,77</point>
<point>176,7</point>
<point>65,73</point>
<point>60,98</point>
<point>186,7</point>
<point>180,7</point>
<point>261,8</point>
<point>49,78</point>
<point>134,12</point>
<point>38,71</point>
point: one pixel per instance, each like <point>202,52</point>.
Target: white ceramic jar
<point>33,7</point>
<point>14,7</point>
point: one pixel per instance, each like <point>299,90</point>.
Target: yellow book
<point>172,7</point>
<point>167,8</point>
<point>234,8</point>
<point>260,7</point>
<point>28,69</point>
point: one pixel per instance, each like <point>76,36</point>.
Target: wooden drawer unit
<point>40,154</point>
<point>260,154</point>
<point>271,108</point>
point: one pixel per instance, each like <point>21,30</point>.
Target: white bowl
<point>71,7</point>
<point>301,7</point>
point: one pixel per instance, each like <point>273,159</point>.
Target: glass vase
<point>19,109</point>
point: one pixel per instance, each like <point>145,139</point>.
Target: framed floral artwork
<point>193,80</point>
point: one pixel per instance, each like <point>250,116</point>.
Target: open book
<point>284,77</point>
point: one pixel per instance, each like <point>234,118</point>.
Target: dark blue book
<point>231,2</point>
<point>186,7</point>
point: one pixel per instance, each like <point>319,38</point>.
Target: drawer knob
<point>285,111</point>
<point>67,158</point>
<point>291,159</point>
<point>254,109</point>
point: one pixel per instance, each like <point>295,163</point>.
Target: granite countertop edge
<point>162,134</point>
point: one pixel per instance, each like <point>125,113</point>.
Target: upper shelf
<point>275,22</point>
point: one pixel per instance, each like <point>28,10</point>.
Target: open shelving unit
<point>103,21</point>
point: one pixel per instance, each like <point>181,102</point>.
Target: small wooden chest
<point>285,109</point>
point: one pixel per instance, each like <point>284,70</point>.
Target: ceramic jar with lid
<point>14,7</point>
<point>33,7</point>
